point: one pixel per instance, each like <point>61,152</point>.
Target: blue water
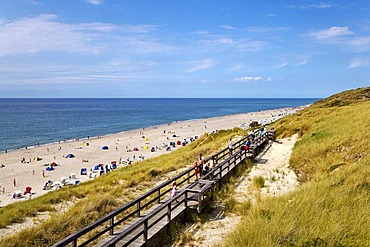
<point>27,122</point>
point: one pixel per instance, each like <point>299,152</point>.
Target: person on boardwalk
<point>196,169</point>
<point>231,147</point>
<point>174,189</point>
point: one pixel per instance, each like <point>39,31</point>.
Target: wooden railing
<point>134,208</point>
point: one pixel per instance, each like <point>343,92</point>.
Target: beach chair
<point>72,175</point>
<point>62,180</point>
<point>17,194</point>
<point>96,169</point>
<point>56,186</point>
<point>48,185</point>
<point>83,171</point>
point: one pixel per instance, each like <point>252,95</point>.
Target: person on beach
<point>14,182</point>
<point>43,173</point>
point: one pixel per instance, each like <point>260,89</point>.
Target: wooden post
<point>220,177</point>
<point>74,243</point>
<point>168,218</point>
<point>145,237</point>
<point>159,196</point>
<point>138,209</point>
<point>199,202</point>
<point>186,207</point>
<point>111,231</point>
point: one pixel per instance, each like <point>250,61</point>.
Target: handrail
<point>137,202</point>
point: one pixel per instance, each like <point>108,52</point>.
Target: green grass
<point>258,182</point>
<point>96,198</point>
<point>332,205</point>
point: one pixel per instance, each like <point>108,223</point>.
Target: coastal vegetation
<point>330,208</point>
<point>63,212</point>
<point>331,159</point>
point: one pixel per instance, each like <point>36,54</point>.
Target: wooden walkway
<point>138,221</point>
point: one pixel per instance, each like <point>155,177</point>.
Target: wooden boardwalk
<point>140,220</point>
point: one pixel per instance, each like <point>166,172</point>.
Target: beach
<point>20,169</point>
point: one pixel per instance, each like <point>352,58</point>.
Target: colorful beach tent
<point>28,190</point>
<point>70,156</point>
<point>37,159</point>
<point>49,168</point>
<point>145,147</point>
<point>105,148</point>
<point>85,144</point>
<point>136,149</point>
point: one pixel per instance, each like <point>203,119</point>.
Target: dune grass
<point>96,198</point>
<point>332,205</point>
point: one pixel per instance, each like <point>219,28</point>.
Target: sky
<point>183,48</point>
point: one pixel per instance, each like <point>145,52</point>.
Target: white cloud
<point>331,32</point>
<point>224,41</point>
<point>266,29</point>
<point>303,60</point>
<point>282,63</point>
<point>236,67</point>
<point>227,27</point>
<point>203,65</point>
<point>34,2</point>
<point>321,5</point>
<point>361,43</point>
<point>44,33</point>
<point>249,78</point>
<point>359,62</point>
<point>95,2</point>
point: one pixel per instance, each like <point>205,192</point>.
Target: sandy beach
<point>16,175</point>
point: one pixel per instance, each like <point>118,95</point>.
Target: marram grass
<point>332,205</point>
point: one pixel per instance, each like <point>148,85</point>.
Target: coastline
<point>32,173</point>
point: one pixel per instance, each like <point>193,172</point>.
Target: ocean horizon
<point>26,122</point>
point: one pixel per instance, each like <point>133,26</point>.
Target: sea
<point>30,122</point>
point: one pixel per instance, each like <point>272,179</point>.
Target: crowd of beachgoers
<point>36,170</point>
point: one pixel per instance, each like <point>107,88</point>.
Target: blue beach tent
<point>105,148</point>
<point>70,156</point>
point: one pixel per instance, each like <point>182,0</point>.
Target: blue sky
<point>183,48</point>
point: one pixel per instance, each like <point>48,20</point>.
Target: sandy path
<point>273,165</point>
<point>31,173</point>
